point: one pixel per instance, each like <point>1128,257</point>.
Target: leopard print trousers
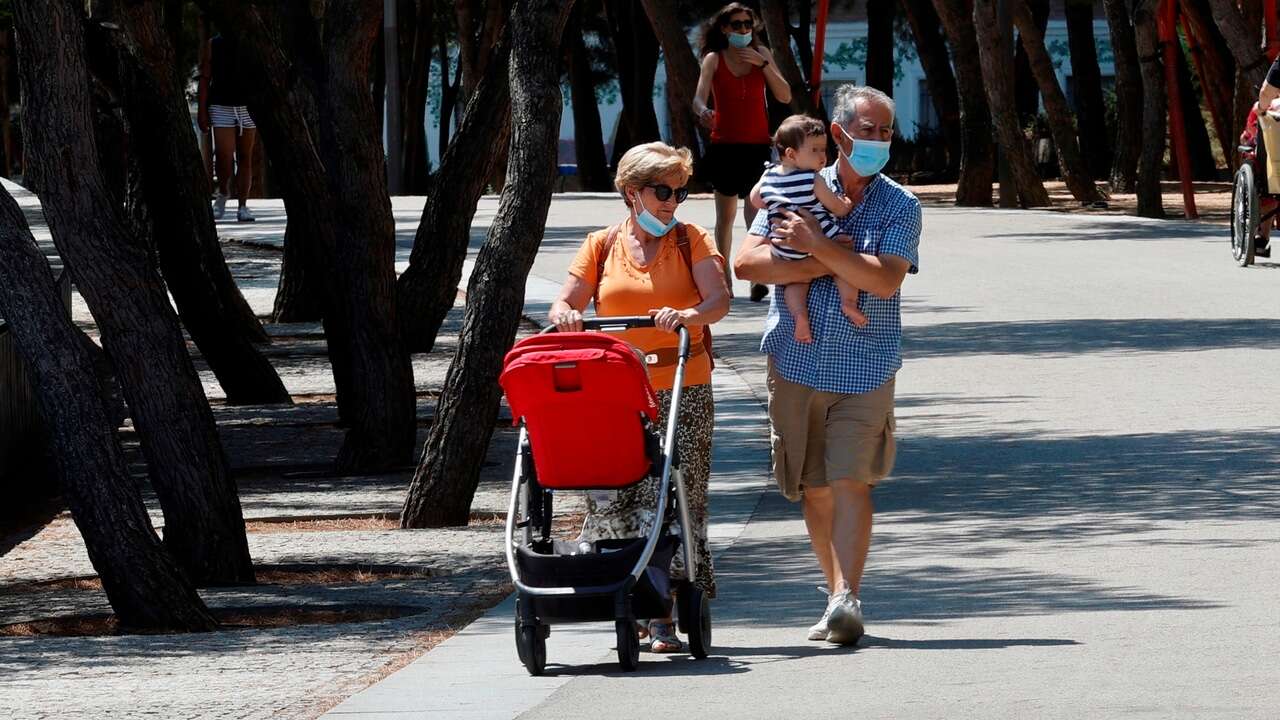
<point>631,513</point>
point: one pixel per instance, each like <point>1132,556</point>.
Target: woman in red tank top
<point>736,69</point>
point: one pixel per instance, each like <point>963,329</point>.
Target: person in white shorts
<point>223,107</point>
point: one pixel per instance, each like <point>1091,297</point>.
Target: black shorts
<point>733,168</point>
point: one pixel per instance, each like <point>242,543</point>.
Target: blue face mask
<point>739,40</point>
<point>650,222</point>
<point>868,157</point>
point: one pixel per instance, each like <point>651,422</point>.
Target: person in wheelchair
<point>1268,97</point>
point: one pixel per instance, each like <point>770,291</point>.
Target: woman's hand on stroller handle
<point>567,321</point>
<point>668,318</point>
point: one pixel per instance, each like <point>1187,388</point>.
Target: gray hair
<point>845,106</point>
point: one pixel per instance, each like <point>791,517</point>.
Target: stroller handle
<point>628,322</point>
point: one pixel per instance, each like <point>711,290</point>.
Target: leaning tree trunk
<point>1247,82</point>
<point>1128,135</point>
<point>1215,69</point>
<point>204,528</point>
<point>997,74</point>
<point>174,189</point>
<point>977,160</point>
<point>415,77</point>
<point>588,136</point>
<point>317,114</point>
<point>429,286</point>
<point>1074,171</point>
<point>1241,35</point>
<point>880,36</point>
<point>637,61</point>
<point>777,25</point>
<point>1091,109</point>
<point>931,46</point>
<point>144,585</point>
<point>682,72</point>
<point>445,482</point>
<point>1151,163</point>
<point>6,125</point>
<point>1026,90</point>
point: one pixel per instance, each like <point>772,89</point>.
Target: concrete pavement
<point>1082,522</point>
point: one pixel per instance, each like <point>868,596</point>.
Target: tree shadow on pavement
<point>1064,338</point>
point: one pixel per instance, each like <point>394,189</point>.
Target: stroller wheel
<point>532,647</point>
<point>628,644</point>
<point>695,619</point>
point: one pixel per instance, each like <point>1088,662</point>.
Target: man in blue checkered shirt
<point>831,400</point>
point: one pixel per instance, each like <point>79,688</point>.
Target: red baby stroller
<point>588,419</point>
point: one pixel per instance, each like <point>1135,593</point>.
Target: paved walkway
<point>1081,524</point>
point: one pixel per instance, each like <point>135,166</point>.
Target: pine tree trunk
<point>204,529</point>
<point>682,72</point>
<point>880,37</point>
<point>1248,81</point>
<point>6,126</point>
<point>931,46</point>
<point>1074,171</point>
<point>316,112</point>
<point>977,160</point>
<point>1215,69</point>
<point>997,74</point>
<point>415,77</point>
<point>175,188</point>
<point>777,25</point>
<point>144,585</point>
<point>1128,144</point>
<point>429,286</point>
<point>1154,107</point>
<point>637,61</point>
<point>445,482</point>
<point>1240,34</point>
<point>1025,88</point>
<point>1091,109</point>
<point>588,136</point>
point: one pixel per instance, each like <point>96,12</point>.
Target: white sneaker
<point>819,629</point>
<point>219,206</point>
<point>243,214</point>
<point>844,624</point>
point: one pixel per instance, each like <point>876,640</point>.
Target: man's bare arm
<point>756,262</point>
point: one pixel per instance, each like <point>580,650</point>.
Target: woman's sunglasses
<point>663,192</point>
<point>741,24</point>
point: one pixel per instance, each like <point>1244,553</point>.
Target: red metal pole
<point>819,47</point>
<point>1166,20</point>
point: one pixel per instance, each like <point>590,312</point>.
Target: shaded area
<point>1063,338</point>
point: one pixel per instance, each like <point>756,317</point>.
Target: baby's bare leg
<point>849,303</point>
<point>796,296</point>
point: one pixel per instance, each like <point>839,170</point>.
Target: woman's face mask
<point>739,40</point>
<point>648,221</point>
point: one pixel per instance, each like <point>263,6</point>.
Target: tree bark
<point>777,24</point>
<point>997,74</point>
<point>637,61</point>
<point>880,38</point>
<point>429,286</point>
<point>931,46</point>
<point>315,108</point>
<point>682,72</point>
<point>175,190</point>
<point>1074,170</point>
<point>1091,109</point>
<point>977,153</point>
<point>1199,147</point>
<point>1154,107</point>
<point>204,528</point>
<point>445,481</point>
<point>588,136</point>
<point>1235,28</point>
<point>415,74</point>
<point>1025,88</point>
<point>1128,144</point>
<point>1215,69</point>
<point>144,585</point>
<point>6,126</point>
<point>449,91</point>
<point>1247,81</point>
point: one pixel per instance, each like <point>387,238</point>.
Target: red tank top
<point>741,115</point>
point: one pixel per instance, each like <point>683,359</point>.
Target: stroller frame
<point>539,606</point>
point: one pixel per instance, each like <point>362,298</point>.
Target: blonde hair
<point>643,164</point>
